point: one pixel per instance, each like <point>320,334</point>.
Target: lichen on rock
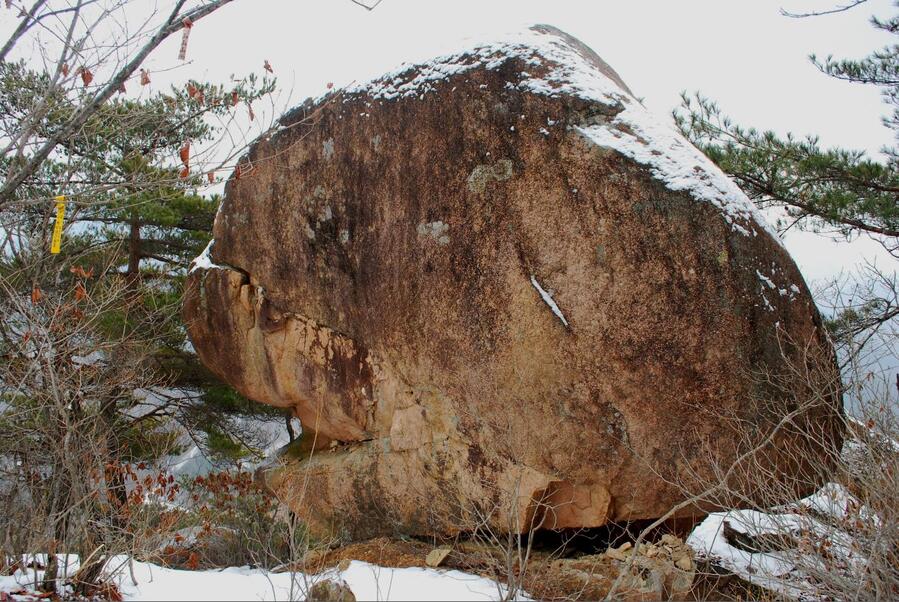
<point>482,174</point>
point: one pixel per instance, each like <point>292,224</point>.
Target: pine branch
<point>812,210</point>
<point>838,187</point>
<point>164,259</point>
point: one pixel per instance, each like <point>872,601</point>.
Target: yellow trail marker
<point>56,241</point>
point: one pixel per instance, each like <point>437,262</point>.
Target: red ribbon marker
<point>188,24</point>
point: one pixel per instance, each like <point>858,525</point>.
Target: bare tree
<point>65,435</point>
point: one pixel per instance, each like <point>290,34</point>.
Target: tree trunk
<point>133,273</point>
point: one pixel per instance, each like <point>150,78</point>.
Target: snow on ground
<point>770,570</point>
<point>268,436</point>
<point>367,582</point>
<point>267,433</point>
<point>817,519</point>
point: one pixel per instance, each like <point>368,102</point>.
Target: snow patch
<point>91,359</point>
<point>639,135</point>
<point>204,260</point>
<point>790,293</point>
<point>263,434</point>
<point>817,518</point>
<point>765,280</point>
<point>366,581</point>
<point>547,298</point>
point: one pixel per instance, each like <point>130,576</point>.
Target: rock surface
<point>492,286</point>
<point>329,590</point>
<point>664,570</point>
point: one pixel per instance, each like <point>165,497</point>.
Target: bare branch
<point>833,11</point>
<point>174,23</point>
<point>24,26</point>
<point>368,7</point>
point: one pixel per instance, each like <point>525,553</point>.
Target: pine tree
<point>131,181</point>
<point>833,189</point>
<point>100,320</point>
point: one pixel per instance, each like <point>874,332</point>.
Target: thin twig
<point>833,11</point>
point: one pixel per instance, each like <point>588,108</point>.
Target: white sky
<point>742,53</point>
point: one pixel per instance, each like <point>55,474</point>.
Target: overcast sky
<point>744,54</point>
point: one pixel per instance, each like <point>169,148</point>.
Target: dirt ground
<point>550,575</point>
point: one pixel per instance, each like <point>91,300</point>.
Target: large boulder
<point>493,287</point>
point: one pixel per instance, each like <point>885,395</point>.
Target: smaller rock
<point>330,590</point>
<point>436,556</point>
<point>671,540</point>
<point>684,562</point>
<point>621,552</point>
<point>313,559</point>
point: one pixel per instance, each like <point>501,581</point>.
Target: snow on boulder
<point>494,286</point>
